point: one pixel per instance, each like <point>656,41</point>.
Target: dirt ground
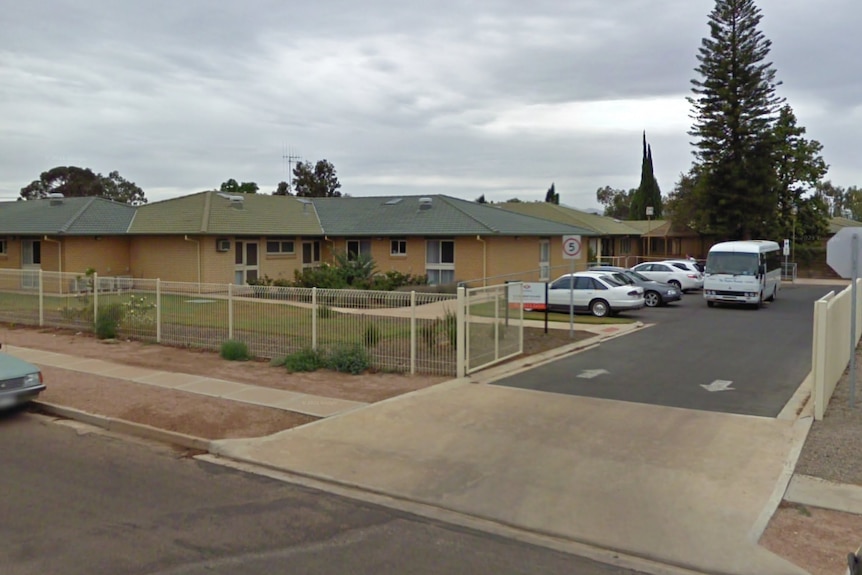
<point>207,417</point>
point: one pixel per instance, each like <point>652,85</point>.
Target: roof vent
<point>236,201</point>
<point>425,203</point>
<point>56,198</point>
<point>393,201</point>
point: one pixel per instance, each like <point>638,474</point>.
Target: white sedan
<point>670,274</point>
<point>595,292</point>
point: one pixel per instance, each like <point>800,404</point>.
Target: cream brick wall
<point>11,260</point>
<point>109,256</point>
<point>170,258</point>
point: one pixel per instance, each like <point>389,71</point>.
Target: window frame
<point>363,247</point>
<point>281,242</point>
<point>395,245</point>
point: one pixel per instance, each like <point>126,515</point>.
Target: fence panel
<point>193,315</point>
<point>272,321</point>
<point>20,300</point>
<point>494,328</point>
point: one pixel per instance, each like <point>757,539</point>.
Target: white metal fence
<point>831,347</point>
<point>494,327</point>
<point>402,331</point>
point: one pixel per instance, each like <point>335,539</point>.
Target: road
<point>76,501</point>
<point>759,357</point>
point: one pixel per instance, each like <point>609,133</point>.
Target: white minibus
<point>746,272</point>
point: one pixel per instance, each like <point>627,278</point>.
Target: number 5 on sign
<point>571,247</point>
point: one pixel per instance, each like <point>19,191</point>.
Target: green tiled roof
<point>599,225</point>
<point>66,216</point>
<point>433,215</point>
<point>215,213</point>
<point>837,224</point>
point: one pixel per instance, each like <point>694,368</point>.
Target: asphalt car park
<point>725,359</point>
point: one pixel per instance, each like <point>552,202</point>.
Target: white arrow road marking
<point>718,385</point>
<point>591,373</point>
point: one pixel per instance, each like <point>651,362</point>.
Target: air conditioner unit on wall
<point>222,245</point>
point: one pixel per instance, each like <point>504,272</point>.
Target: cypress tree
<point>648,192</point>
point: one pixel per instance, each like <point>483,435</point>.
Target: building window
<point>398,247</point>
<point>356,248</point>
<point>310,254</point>
<point>3,247</point>
<point>544,260</point>
<point>626,245</point>
<point>440,262</point>
<point>280,247</point>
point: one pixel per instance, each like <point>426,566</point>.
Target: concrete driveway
<point>683,487</point>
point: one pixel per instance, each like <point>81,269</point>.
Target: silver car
<point>19,381</point>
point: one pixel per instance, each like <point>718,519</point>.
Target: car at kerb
<point>598,293</point>
<point>655,293</point>
<point>20,381</point>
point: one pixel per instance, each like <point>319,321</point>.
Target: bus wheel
<point>710,304</point>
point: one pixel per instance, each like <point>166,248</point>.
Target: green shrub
<point>348,359</point>
<point>304,360</point>
<point>233,350</point>
<point>428,333</point>
<point>108,320</point>
<point>371,337</point>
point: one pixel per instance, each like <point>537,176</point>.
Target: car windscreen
<point>611,280</point>
<point>736,263</point>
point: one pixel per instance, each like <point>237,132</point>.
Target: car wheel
<point>677,285</point>
<point>710,304</point>
<point>600,308</point>
<point>652,299</point>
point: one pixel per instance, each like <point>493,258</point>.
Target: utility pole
<point>290,158</point>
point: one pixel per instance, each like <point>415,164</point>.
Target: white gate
<point>494,328</point>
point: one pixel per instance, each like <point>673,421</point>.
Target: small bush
<point>372,335</point>
<point>348,359</point>
<point>233,350</point>
<point>108,320</point>
<point>428,333</point>
<point>304,360</point>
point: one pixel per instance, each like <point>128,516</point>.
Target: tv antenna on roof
<point>289,158</point>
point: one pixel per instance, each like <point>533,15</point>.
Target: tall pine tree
<point>551,196</point>
<point>648,194</point>
<point>735,107</point>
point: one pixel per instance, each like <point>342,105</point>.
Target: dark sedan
<point>655,293</point>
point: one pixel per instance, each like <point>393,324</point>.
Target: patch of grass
<point>304,360</point>
<point>233,350</point>
<point>348,359</point>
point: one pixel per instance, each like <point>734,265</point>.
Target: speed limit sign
<point>571,247</point>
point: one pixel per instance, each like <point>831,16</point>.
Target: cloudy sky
<point>464,98</point>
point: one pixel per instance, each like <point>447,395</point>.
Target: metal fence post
<point>41,298</point>
<point>461,320</point>
<point>497,326</point>
<point>95,298</point>
<point>413,332</point>
<point>230,311</point>
<point>314,318</point>
<point>158,310</point>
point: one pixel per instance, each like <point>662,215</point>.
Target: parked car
<point>690,265</point>
<point>19,381</point>
<point>598,293</point>
<point>655,293</point>
<point>670,274</point>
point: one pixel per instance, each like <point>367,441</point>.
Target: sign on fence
<point>533,295</point>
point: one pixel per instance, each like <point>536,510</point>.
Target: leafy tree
<point>735,106</point>
<point>481,199</point>
<point>72,182</point>
<point>648,194</point>
<point>681,206</point>
<point>514,201</point>
<point>617,203</point>
<point>318,181</point>
<point>232,187</point>
<point>799,169</point>
<point>283,189</point>
<point>552,197</point>
<point>119,189</point>
<point>841,202</point>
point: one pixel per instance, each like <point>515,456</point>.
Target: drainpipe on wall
<point>198,242</point>
<point>484,260</point>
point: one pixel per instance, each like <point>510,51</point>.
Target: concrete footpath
<point>684,488</point>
